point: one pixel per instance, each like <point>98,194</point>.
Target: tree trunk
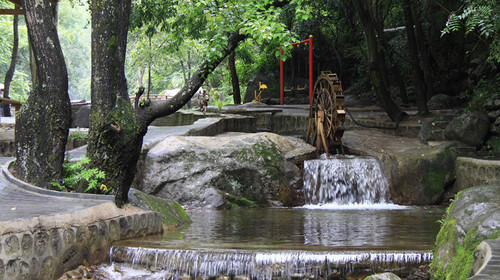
<point>115,139</point>
<point>425,56</point>
<point>395,69</point>
<point>363,8</point>
<point>116,129</point>
<point>12,67</point>
<point>234,78</point>
<point>418,75</point>
<point>43,123</point>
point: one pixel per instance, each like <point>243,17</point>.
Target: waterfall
<point>260,264</point>
<point>345,180</point>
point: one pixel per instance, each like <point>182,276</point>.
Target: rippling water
<point>279,228</point>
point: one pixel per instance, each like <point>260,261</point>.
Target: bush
<point>77,177</point>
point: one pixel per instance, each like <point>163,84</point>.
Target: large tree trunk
<point>116,129</point>
<point>43,123</point>
<point>12,67</point>
<point>418,75</point>
<point>363,8</point>
<point>114,135</point>
<point>234,78</point>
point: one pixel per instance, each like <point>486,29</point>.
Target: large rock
<point>80,115</point>
<point>440,101</point>
<point>474,216</point>
<point>205,171</point>
<point>470,128</point>
<point>383,276</point>
<point>418,174</point>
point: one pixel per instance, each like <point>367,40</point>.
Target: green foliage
<point>493,145</point>
<point>484,93</point>
<point>480,18</point>
<point>76,174</point>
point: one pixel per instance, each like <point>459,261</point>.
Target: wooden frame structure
<point>12,11</point>
<point>282,90</point>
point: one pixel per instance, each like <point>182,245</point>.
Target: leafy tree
<point>481,19</point>
<point>375,64</point>
<point>117,129</point>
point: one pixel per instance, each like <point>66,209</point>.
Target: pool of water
<point>331,229</point>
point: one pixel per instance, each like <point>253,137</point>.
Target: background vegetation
<point>461,37</point>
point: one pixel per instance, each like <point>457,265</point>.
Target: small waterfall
<point>261,264</point>
<point>345,181</point>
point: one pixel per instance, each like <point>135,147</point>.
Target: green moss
<point>171,211</point>
<point>457,262</point>
<point>112,42</point>
<point>436,172</point>
<point>239,202</point>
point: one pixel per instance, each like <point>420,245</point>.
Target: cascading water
<point>345,180</point>
<point>298,243</point>
<point>201,264</point>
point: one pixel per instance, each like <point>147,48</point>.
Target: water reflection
<point>407,229</point>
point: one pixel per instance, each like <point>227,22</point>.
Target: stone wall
<point>473,172</point>
<point>45,247</point>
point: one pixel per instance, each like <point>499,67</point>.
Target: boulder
<point>474,216</point>
<point>470,128</point>
<point>383,276</point>
<point>432,130</point>
<point>418,174</point>
<point>205,171</point>
<point>80,115</point>
<point>440,101</point>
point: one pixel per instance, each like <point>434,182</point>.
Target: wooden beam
<point>11,12</point>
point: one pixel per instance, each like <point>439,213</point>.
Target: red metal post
<point>281,78</point>
<point>310,69</point>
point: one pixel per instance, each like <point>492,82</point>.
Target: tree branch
<point>158,110</point>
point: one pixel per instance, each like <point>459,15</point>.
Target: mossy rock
<point>172,212</point>
<point>474,216</point>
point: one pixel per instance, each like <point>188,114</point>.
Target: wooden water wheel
<point>327,114</point>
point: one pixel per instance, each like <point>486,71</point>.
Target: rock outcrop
<point>206,171</point>
<point>418,174</point>
<point>474,216</point>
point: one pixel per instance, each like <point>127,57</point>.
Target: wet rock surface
<point>205,171</point>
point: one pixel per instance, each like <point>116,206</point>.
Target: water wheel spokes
<point>326,114</point>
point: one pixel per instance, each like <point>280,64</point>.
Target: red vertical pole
<point>310,69</point>
<point>281,78</point>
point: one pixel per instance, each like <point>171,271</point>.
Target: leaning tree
<point>116,127</point>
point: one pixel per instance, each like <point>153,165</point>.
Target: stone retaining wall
<point>474,172</point>
<point>46,247</point>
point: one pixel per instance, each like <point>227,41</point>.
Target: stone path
<point>18,203</point>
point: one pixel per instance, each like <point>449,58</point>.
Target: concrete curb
<point>488,256</point>
<point>39,190</point>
